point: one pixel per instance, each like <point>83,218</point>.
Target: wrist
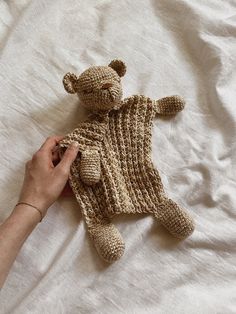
<point>32,206</point>
<point>39,203</point>
<point>25,214</point>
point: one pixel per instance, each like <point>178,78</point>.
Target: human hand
<point>45,177</point>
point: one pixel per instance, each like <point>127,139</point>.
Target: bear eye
<point>87,91</point>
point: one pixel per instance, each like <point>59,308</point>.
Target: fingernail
<point>75,144</point>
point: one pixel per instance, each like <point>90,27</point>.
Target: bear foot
<point>176,220</point>
<point>108,242</point>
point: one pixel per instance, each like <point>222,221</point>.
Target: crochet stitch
<point>113,172</point>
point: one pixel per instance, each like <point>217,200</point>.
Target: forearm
<point>13,232</point>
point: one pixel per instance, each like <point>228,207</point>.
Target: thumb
<point>68,157</point>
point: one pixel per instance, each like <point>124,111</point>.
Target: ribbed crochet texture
<point>113,172</point>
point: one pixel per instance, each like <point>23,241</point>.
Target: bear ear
<point>119,66</point>
<point>70,82</point>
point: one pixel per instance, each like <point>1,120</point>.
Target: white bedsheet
<point>170,47</point>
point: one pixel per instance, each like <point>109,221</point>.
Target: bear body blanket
<point>113,172</point>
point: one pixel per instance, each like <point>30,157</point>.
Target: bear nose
<point>106,85</point>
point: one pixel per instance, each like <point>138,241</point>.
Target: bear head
<point>99,87</point>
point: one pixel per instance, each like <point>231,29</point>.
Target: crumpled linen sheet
<point>170,47</point>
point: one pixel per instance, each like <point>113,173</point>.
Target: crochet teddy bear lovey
<point>113,172</point>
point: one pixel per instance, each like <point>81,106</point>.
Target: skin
<point>45,180</point>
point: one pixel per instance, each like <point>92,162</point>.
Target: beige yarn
<point>113,173</point>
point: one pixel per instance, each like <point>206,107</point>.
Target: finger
<point>51,143</point>
<point>68,157</point>
<point>55,149</point>
<point>55,156</point>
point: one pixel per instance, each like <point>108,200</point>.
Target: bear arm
<point>90,166</point>
<point>169,105</point>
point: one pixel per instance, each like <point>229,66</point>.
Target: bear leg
<point>176,220</point>
<point>107,240</point>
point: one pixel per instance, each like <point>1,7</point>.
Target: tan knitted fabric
<point>113,172</point>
